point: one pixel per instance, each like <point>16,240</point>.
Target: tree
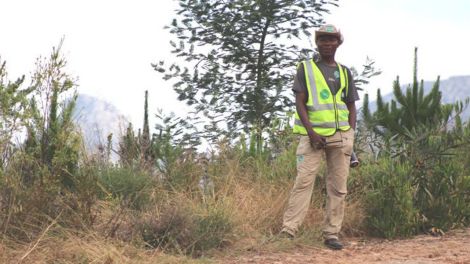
<point>13,111</point>
<point>239,53</point>
<point>52,139</point>
<point>409,110</point>
<point>145,141</point>
<point>129,147</point>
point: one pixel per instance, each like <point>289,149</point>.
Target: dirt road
<point>453,247</point>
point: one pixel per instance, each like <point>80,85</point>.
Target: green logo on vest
<point>336,74</point>
<point>324,94</point>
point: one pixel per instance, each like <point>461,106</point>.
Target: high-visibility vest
<point>327,112</point>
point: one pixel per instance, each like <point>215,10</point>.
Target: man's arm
<point>352,114</point>
<point>301,106</point>
<point>350,100</point>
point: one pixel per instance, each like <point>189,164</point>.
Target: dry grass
<point>67,247</point>
<point>253,202</point>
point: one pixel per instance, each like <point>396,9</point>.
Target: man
<point>325,98</point>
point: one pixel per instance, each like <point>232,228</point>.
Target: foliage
<point>389,200</point>
<point>236,54</point>
<point>172,199</point>
<point>175,150</point>
<point>146,150</point>
<point>129,148</point>
<point>276,159</point>
<point>13,111</point>
<point>42,179</point>
<point>369,70</point>
<point>419,141</point>
<point>212,228</point>
<point>136,150</point>
<point>408,111</point>
<point>423,185</point>
<point>51,136</point>
<point>187,230</point>
<point>439,179</point>
<point>132,188</point>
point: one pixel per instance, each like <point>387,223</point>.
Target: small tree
<point>52,138</point>
<point>415,133</point>
<point>407,111</point>
<point>129,147</point>
<point>145,141</point>
<point>14,111</point>
<point>238,52</point>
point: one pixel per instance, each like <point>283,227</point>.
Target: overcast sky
<point>110,44</point>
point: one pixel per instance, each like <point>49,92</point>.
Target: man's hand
<point>316,141</point>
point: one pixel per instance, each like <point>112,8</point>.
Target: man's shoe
<point>333,243</point>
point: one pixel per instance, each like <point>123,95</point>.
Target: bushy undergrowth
<point>130,186</point>
<point>389,200</point>
<point>419,182</point>
<point>31,199</point>
<point>187,229</point>
<point>233,196</point>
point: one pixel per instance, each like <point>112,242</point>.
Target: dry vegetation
<point>162,203</point>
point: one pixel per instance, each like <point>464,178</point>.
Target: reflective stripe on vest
<point>326,112</point>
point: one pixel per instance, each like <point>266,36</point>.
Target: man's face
<point>327,45</point>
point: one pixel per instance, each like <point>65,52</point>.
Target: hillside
<point>97,119</point>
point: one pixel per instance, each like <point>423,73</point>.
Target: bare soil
<point>453,247</point>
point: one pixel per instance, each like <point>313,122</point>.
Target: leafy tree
<point>52,138</point>
<point>172,139</point>
<point>13,111</point>
<point>237,53</point>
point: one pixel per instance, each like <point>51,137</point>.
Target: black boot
<point>333,243</point>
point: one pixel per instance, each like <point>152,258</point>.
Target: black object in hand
<point>354,162</point>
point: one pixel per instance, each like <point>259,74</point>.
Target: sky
<point>110,44</point>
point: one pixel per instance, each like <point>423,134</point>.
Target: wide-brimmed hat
<point>331,30</point>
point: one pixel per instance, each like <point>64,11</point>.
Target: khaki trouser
<point>338,154</point>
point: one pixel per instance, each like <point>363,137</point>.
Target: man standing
<point>325,97</point>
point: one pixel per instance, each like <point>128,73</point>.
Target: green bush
<point>389,200</point>
<point>132,187</point>
<point>31,195</point>
<point>438,177</point>
<point>170,229</point>
<point>443,196</point>
<point>211,229</point>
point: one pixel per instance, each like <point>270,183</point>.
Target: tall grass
<point>118,213</point>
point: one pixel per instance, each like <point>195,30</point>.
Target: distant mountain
<point>453,89</point>
<point>97,119</point>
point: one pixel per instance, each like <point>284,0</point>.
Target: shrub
<point>182,229</point>
<point>211,229</point>
<point>27,206</point>
<point>169,230</point>
<point>443,196</point>
<point>389,200</point>
<point>131,187</point>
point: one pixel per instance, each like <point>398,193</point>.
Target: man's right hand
<point>316,141</point>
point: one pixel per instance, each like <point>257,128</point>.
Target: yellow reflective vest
<point>326,112</point>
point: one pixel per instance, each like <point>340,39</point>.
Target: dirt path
<point>453,247</point>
